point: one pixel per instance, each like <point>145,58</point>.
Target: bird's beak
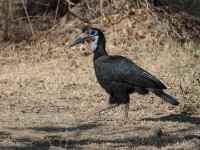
<point>81,38</point>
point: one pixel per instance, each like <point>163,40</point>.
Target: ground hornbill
<point>118,75</point>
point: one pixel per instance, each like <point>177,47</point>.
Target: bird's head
<point>92,35</point>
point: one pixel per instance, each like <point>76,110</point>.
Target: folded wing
<point>121,69</point>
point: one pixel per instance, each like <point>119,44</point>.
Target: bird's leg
<point>109,106</point>
<point>124,120</point>
<point>126,109</point>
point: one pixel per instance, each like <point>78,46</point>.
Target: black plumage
<point>118,75</point>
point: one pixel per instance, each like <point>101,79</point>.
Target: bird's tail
<point>164,96</point>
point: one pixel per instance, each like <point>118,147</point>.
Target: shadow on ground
<point>57,141</point>
<point>130,142</point>
<point>182,117</point>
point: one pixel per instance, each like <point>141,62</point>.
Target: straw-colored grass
<point>47,90</point>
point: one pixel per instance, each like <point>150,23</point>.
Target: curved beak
<point>81,38</point>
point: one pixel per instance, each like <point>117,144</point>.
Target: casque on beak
<point>81,38</point>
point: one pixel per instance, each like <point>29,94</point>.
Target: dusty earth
<point>47,91</point>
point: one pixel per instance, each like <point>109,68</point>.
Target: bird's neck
<point>100,51</point>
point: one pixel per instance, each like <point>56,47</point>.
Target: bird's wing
<point>121,69</point>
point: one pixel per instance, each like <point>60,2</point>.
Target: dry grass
<point>47,90</point>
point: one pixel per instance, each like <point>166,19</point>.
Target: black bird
<point>118,75</point>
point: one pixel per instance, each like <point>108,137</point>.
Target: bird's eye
<point>92,32</point>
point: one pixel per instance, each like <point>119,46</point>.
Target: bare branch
<point>30,25</point>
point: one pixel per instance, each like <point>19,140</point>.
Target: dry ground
<point>47,90</point>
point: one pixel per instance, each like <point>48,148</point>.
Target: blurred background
<point>46,88</point>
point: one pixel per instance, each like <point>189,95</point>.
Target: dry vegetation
<point>47,90</point>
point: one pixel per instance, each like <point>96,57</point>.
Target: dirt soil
<point>45,103</point>
<point>47,91</point>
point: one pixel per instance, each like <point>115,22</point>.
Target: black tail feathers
<point>164,96</point>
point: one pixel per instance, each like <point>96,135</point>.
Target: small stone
<point>195,140</point>
<point>155,131</point>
